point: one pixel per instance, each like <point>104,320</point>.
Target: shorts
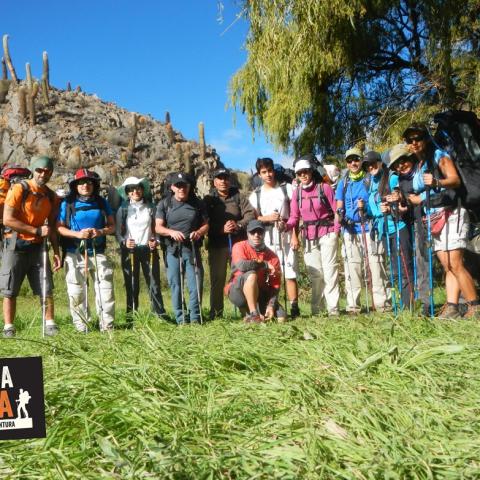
<point>237,297</point>
<point>454,234</point>
<point>16,265</point>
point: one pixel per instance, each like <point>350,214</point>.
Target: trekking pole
<point>132,280</point>
<point>397,246</point>
<point>180,258</point>
<point>197,280</point>
<point>367,271</point>
<point>281,239</point>
<point>389,254</point>
<point>97,281</point>
<point>429,243</point>
<point>230,247</point>
<point>415,280</point>
<point>85,285</point>
<point>44,286</point>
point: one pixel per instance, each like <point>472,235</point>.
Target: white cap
<point>132,181</point>
<point>332,171</point>
<point>302,165</point>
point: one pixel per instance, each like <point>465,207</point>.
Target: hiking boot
<point>294,310</point>
<point>51,330</point>
<point>472,313</point>
<point>449,311</point>
<point>9,332</point>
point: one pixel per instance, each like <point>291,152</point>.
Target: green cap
<point>353,152</point>
<point>41,162</point>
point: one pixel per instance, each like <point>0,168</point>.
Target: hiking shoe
<point>449,311</point>
<point>9,332</point>
<point>51,330</point>
<point>472,313</point>
<point>253,317</point>
<point>294,310</point>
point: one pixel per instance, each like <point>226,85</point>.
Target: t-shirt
<point>36,208</point>
<point>354,191</point>
<point>273,200</point>
<point>86,214</point>
<point>185,217</point>
<point>138,224</point>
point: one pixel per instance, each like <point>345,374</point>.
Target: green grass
<point>351,398</point>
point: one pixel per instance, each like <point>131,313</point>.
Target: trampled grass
<point>355,398</point>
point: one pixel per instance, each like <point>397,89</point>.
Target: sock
<point>9,326</point>
<point>474,303</point>
<point>49,322</point>
<point>452,304</point>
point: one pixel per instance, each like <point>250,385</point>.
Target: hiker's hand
<point>84,233</point>
<point>384,208</point>
<point>281,226</point>
<point>152,243</point>
<point>414,199</point>
<point>57,263</point>
<point>273,217</point>
<point>393,197</point>
<point>294,243</point>
<point>271,269</point>
<point>194,236</point>
<point>428,179</point>
<point>230,227</point>
<point>43,231</point>
<point>130,243</point>
<point>177,235</point>
<point>269,313</point>
<point>95,232</point>
<point>360,204</point>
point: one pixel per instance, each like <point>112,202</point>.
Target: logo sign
<point>22,408</point>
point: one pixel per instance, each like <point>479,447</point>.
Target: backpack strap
<point>258,191</point>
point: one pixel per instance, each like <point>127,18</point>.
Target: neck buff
<point>307,186</point>
<point>407,176</point>
<point>84,198</point>
<point>136,202</point>
<point>258,248</point>
<point>354,177</point>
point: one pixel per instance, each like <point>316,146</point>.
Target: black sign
<point>22,408</point>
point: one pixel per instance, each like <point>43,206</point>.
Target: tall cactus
<point>201,141</point>
<point>46,69</point>
<point>46,98</point>
<point>187,158</point>
<point>69,87</point>
<point>133,139</point>
<point>167,117</point>
<point>8,60</point>
<point>22,103</point>
<point>170,133</point>
<point>31,95</point>
<point>29,76</point>
<point>179,155</point>
<point>4,70</point>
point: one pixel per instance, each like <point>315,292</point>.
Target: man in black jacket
<point>229,213</point>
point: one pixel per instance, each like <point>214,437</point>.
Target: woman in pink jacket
<point>313,203</point>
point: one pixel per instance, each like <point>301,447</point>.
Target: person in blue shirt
<point>84,220</point>
<point>381,206</point>
<point>352,196</point>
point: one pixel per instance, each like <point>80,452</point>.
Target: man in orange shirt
<point>29,218</point>
<point>256,277</point>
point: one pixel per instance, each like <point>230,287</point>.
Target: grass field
<point>356,398</point>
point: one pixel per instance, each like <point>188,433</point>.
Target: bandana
<point>84,198</point>
<point>354,177</point>
<point>257,248</point>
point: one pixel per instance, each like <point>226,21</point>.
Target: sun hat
<point>397,152</point>
<point>302,165</point>
<point>81,174</point>
<point>131,181</point>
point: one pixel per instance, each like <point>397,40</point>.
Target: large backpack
<point>282,175</point>
<point>319,172</point>
<point>458,133</point>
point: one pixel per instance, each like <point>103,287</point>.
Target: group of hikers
<point>387,216</point>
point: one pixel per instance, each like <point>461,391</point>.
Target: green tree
<point>322,74</point>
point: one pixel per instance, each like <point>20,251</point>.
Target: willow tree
<point>321,74</point>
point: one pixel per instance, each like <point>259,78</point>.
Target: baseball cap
<point>181,177</point>
<point>416,128</point>
<point>221,171</point>
<point>255,225</point>
<point>353,152</point>
<point>302,165</point>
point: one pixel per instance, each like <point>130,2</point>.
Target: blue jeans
<point>173,273</point>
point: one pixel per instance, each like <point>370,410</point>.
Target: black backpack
<point>282,175</point>
<point>458,133</point>
<point>319,172</point>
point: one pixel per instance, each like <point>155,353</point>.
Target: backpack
<point>26,190</point>
<point>319,172</point>
<point>283,186</point>
<point>458,133</point>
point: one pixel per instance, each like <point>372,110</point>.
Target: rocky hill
<point>81,130</point>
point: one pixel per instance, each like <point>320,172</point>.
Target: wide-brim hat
<point>83,173</point>
<point>397,152</point>
<point>131,181</point>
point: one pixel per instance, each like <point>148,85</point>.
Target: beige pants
<point>104,296</point>
<point>355,268</point>
<point>322,267</point>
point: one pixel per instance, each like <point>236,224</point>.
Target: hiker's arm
<point>451,180</point>
<point>10,220</point>
<point>247,212</point>
<point>162,230</point>
<point>66,232</point>
<point>198,234</point>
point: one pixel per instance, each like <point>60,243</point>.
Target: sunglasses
<point>85,182</point>
<point>223,177</point>
<point>353,159</point>
<point>132,188</point>
<point>181,185</point>
<point>257,231</point>
<point>300,173</point>
<point>417,138</point>
<point>45,171</point>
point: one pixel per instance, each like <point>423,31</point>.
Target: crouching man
<point>256,277</point>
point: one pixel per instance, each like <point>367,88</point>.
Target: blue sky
<point>147,56</point>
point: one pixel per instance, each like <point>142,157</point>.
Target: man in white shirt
<point>271,202</point>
